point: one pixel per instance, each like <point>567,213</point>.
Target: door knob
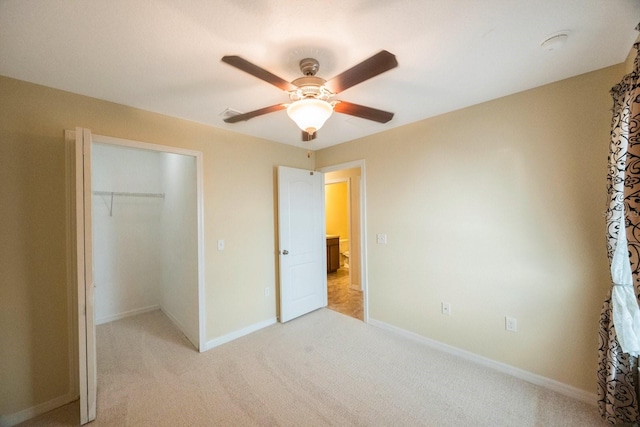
<point>285,252</point>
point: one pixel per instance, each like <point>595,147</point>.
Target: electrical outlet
<point>446,308</point>
<point>511,324</point>
<point>381,239</point>
<point>267,292</point>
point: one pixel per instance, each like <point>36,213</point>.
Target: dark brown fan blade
<point>251,114</point>
<point>363,112</point>
<point>306,136</point>
<point>261,73</point>
<point>377,64</point>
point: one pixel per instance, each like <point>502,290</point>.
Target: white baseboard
<point>34,411</point>
<point>557,386</point>
<point>180,326</point>
<point>237,334</point>
<point>113,317</point>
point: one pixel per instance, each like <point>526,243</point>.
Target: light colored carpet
<point>322,369</point>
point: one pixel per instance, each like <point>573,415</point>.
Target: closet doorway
<point>145,223</point>
<point>344,208</point>
<point>81,193</point>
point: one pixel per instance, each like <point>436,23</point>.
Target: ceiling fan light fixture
<point>310,113</point>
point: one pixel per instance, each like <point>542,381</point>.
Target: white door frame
<point>363,227</point>
<point>86,323</point>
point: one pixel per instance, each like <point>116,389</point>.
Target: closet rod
<point>125,194</point>
<point>112,194</point>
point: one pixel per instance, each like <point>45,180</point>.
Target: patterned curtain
<point>632,172</point>
<point>617,370</point>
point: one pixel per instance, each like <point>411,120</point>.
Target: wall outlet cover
<point>381,239</point>
<point>446,308</point>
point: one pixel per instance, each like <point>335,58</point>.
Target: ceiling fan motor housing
<point>310,87</point>
<point>309,66</point>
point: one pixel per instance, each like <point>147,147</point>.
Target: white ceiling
<point>164,55</point>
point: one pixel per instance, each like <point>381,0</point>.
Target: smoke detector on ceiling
<point>555,41</point>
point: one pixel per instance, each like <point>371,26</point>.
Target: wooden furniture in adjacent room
<point>333,253</point>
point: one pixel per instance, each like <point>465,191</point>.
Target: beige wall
<point>496,209</point>
<point>336,199</point>
<point>238,207</point>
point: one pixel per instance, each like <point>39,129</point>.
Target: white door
<point>84,267</point>
<point>301,228</point>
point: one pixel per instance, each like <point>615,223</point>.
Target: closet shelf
<point>113,194</point>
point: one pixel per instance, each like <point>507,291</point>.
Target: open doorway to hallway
<point>343,225</point>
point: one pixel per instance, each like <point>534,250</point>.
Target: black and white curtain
<point>619,344</point>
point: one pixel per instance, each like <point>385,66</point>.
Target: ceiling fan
<point>311,96</point>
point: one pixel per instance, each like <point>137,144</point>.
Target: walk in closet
<point>145,235</point>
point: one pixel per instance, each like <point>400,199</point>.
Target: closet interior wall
<point>145,239</point>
